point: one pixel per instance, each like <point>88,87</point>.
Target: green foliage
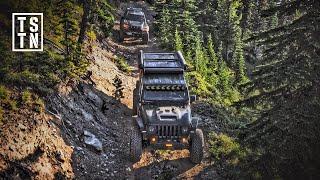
<point>284,91</point>
<point>222,146</point>
<point>4,93</point>
<point>201,55</point>
<point>231,156</point>
<point>39,105</point>
<point>103,17</point>
<point>26,97</point>
<point>178,41</point>
<point>165,27</point>
<point>212,54</point>
<point>238,60</point>
<point>191,33</point>
<point>13,105</point>
<point>6,100</point>
<point>123,65</point>
<point>199,85</point>
<point>91,35</point>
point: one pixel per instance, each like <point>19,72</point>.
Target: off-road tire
<point>145,37</point>
<point>196,148</point>
<point>135,145</point>
<point>121,36</point>
<point>135,99</point>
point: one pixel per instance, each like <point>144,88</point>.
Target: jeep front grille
<point>168,131</point>
<point>134,28</point>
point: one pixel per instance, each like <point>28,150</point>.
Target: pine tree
<point>191,32</point>
<point>224,74</point>
<point>201,59</point>
<point>238,59</point>
<point>212,55</point>
<point>286,92</point>
<point>165,27</point>
<point>75,63</point>
<point>223,25</point>
<point>273,18</point>
<point>178,41</point>
<point>212,63</point>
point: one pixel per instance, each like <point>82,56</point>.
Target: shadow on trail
<point>166,169</point>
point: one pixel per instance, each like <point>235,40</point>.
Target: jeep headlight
<point>185,130</point>
<point>151,129</point>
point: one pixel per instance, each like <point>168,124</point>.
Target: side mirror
<point>195,121</point>
<point>193,98</point>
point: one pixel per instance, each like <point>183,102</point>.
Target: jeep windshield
<point>135,17</point>
<point>163,95</point>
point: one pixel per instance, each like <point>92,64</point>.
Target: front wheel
<point>196,148</point>
<point>135,145</point>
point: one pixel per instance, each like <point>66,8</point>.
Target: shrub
<point>198,85</point>
<point>13,105</point>
<point>225,147</point>
<point>91,35</point>
<point>4,93</point>
<point>26,97</point>
<point>123,65</point>
<point>39,105</point>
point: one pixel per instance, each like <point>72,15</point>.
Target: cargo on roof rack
<point>162,62</point>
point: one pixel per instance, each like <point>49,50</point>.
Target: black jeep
<point>161,107</point>
<point>134,23</point>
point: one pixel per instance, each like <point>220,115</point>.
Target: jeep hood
<point>167,113</point>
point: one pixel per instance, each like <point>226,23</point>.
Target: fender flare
<point>139,122</point>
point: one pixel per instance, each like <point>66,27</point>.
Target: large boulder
<point>91,140</point>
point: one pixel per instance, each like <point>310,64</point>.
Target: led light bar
<point>166,87</point>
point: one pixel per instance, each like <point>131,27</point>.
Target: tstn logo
<point>27,31</point>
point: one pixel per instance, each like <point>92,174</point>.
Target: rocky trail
<point>92,111</point>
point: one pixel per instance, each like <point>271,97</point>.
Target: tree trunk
<point>84,21</point>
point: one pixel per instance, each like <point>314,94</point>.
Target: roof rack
<point>153,62</point>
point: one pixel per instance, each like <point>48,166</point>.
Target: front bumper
<point>134,32</point>
<point>169,144</point>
